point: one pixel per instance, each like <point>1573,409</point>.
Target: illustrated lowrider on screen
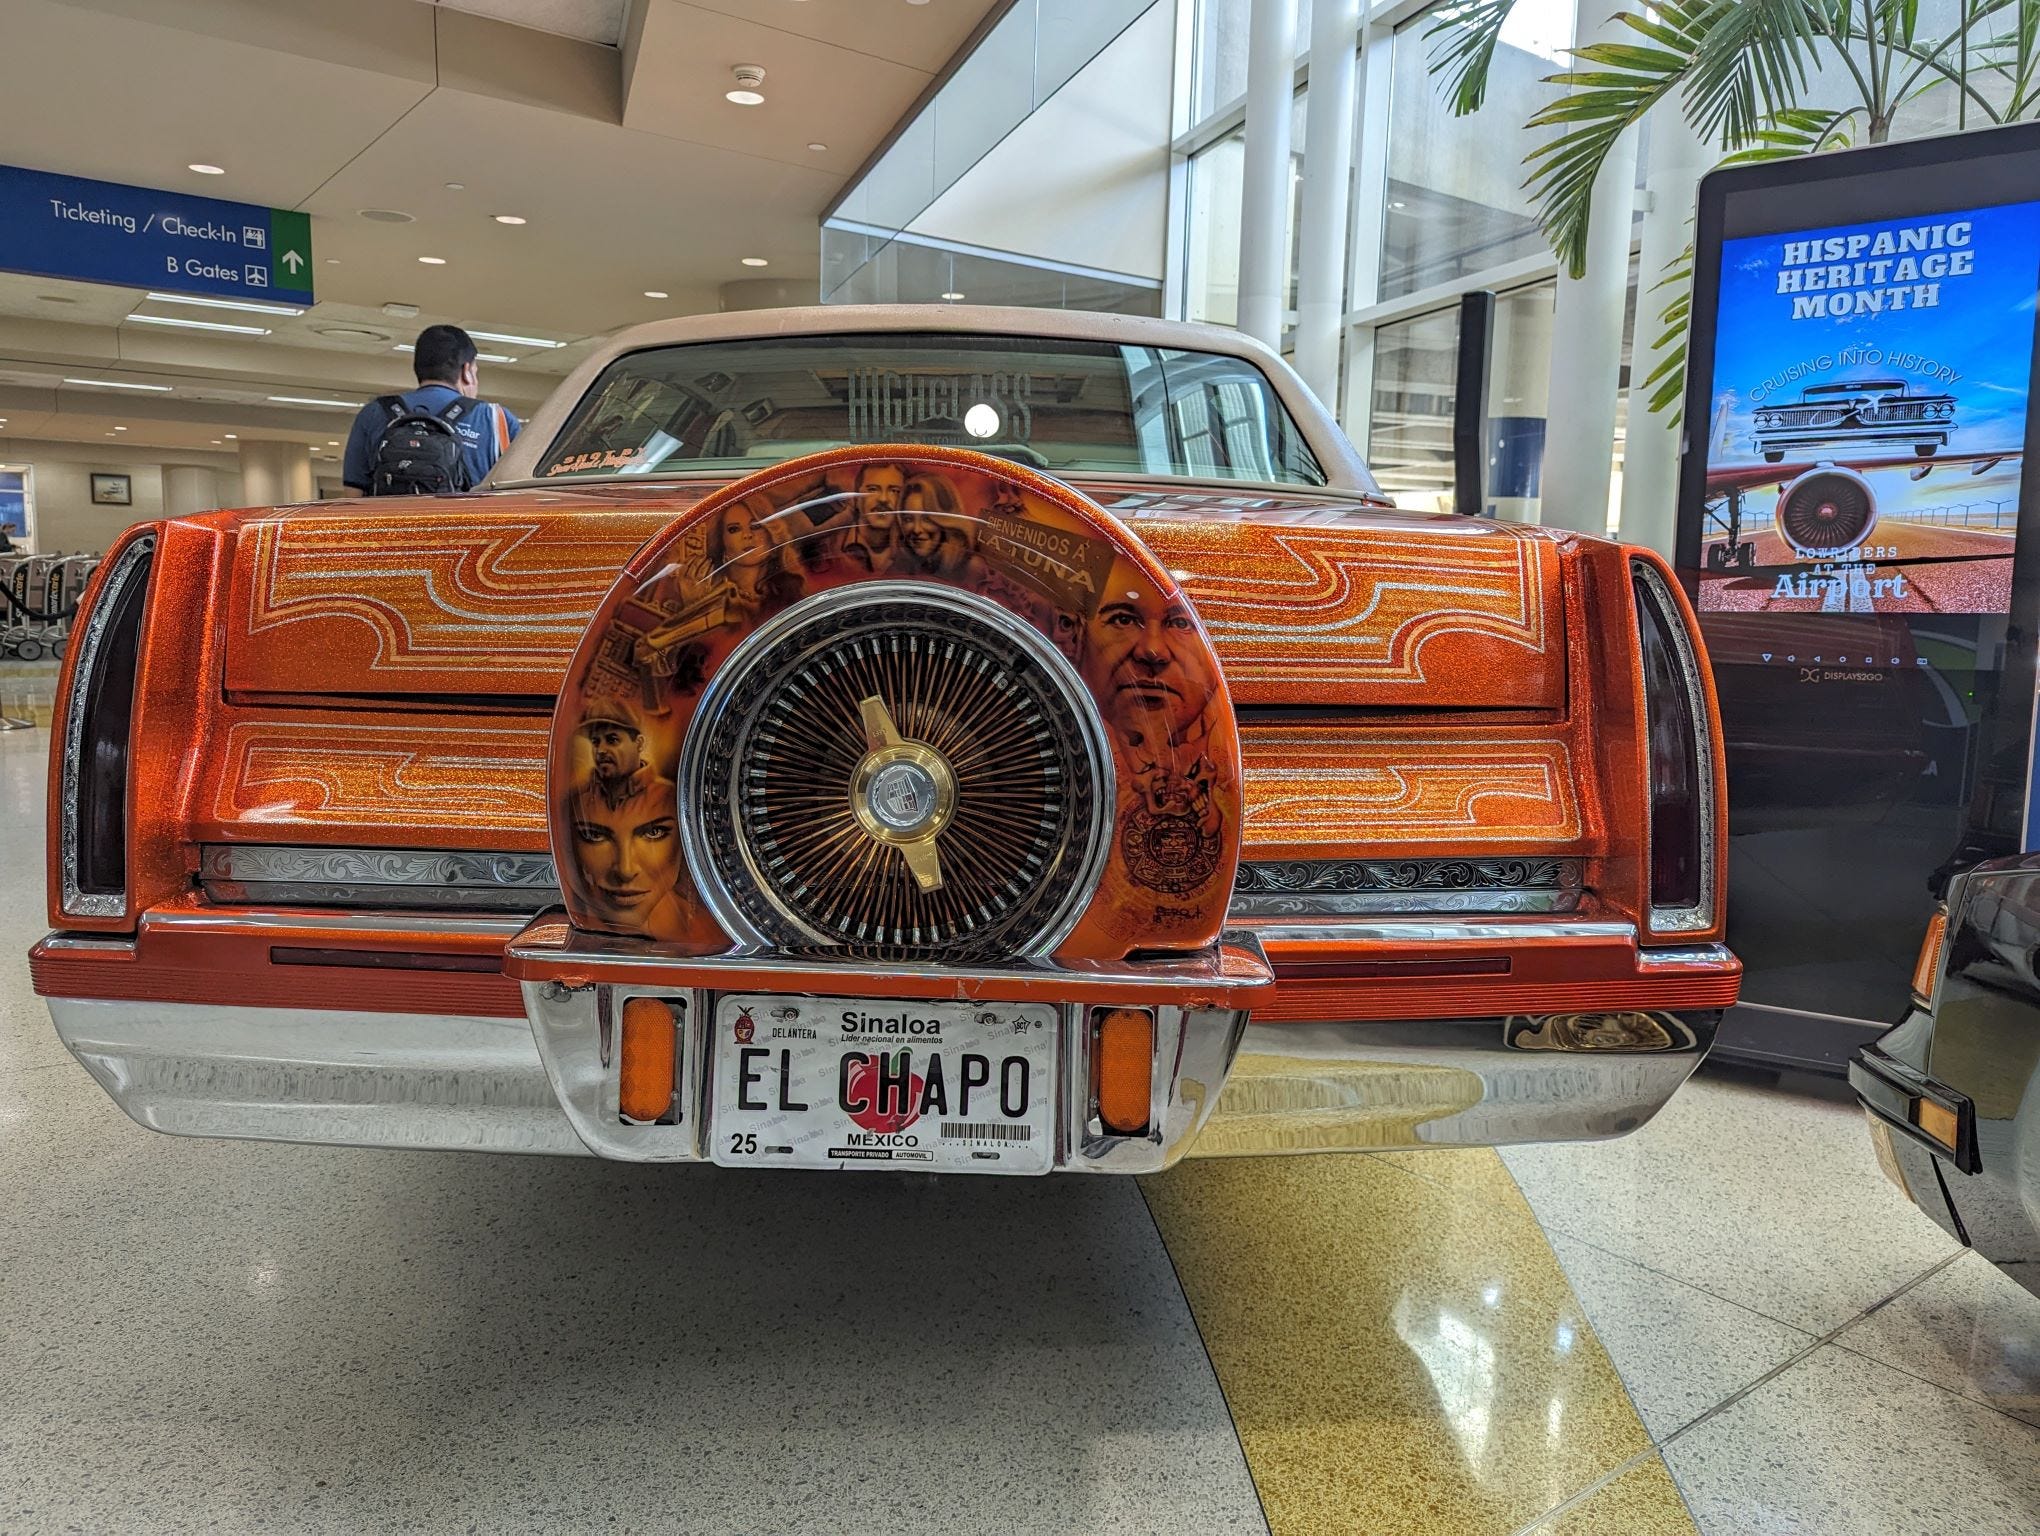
<point>957,740</point>
<point>1856,412</point>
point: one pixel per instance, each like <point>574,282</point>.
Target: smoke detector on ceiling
<point>748,77</point>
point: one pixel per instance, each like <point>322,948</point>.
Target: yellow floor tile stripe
<point>1399,1358</point>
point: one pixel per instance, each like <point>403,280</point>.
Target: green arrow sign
<point>290,250</point>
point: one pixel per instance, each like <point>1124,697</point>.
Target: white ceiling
<point>592,21</point>
<point>600,122</point>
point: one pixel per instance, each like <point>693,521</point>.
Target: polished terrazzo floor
<point>1726,1323</point>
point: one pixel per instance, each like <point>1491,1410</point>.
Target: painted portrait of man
<point>1146,664</point>
<point>616,746</point>
<point>876,495</point>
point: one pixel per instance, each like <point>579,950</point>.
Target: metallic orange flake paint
<point>1499,710</point>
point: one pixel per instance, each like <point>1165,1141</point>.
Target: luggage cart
<point>45,591</point>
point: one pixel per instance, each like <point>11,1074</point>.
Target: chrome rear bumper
<point>480,1084</point>
<point>354,1079</point>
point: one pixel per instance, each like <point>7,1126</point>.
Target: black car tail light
<point>98,710</point>
<point>1682,876</point>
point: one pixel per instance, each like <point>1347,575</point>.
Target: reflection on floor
<point>1727,1322</point>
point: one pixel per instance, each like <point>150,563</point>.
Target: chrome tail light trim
<point>120,597</point>
<point>1665,611</point>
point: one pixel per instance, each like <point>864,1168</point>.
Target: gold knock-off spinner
<point>903,793</point>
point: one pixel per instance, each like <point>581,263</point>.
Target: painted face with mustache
<point>1143,657</point>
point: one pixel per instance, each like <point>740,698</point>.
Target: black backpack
<point>417,453</point>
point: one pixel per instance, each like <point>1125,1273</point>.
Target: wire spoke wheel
<point>898,771</point>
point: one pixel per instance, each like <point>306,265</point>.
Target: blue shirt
<point>484,433</point>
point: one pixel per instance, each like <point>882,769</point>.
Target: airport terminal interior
<point>651,649</point>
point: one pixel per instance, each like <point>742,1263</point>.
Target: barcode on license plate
<point>985,1130</point>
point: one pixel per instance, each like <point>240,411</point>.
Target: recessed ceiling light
<point>745,98</point>
<point>120,429</point>
<point>401,311</point>
<point>199,325</point>
<point>515,341</point>
<point>387,215</point>
<point>156,389</point>
<point>109,434</point>
<point>433,261</point>
<point>511,218</point>
<point>1398,204</point>
<point>917,2</point>
<point>215,442</point>
<point>230,434</point>
<point>206,170</point>
<point>242,304</point>
<point>657,293</point>
<point>345,405</point>
<point>952,296</point>
<point>756,261</point>
<point>349,333</point>
<point>456,186</point>
<point>332,442</point>
<point>818,147</point>
<point>332,261</point>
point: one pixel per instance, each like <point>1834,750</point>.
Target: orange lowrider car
<point>955,739</point>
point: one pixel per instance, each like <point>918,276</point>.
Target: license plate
<point>842,1082</point>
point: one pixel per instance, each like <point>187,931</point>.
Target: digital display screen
<point>1866,429</point>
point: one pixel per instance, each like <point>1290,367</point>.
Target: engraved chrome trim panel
<point>384,878</point>
<point>86,646</point>
<point>257,919</point>
<point>1435,930</point>
<point>725,692</point>
<point>1335,887</point>
<point>1701,914</point>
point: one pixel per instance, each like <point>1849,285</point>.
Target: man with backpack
<point>437,438</point>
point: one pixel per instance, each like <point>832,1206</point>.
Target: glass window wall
<point>1212,232</point>
<point>1219,59</point>
<point>1455,202</point>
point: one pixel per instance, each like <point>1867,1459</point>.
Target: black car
<point>1953,1092</point>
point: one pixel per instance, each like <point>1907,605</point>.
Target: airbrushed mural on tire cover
<point>962,521</point>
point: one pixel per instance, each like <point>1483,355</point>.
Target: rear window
<point>1063,406</point>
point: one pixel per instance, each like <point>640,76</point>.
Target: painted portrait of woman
<point>932,534</point>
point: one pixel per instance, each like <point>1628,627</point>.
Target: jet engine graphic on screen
<point>1868,415</point>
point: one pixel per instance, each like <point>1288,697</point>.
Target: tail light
<point>98,707</point>
<point>1682,810</point>
<point>1123,1057</point>
<point>1928,966</point>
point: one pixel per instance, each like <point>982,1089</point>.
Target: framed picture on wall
<point>112,491</point>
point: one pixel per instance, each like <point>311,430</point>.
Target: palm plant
<point>1764,79</point>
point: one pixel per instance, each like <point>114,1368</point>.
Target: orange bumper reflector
<point>1929,963</point>
<point>650,1050</point>
<point>1937,1120</point>
<point>1123,1050</point>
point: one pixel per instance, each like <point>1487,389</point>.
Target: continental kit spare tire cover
<point>897,703</point>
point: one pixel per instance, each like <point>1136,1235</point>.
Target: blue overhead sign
<point>103,232</point>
